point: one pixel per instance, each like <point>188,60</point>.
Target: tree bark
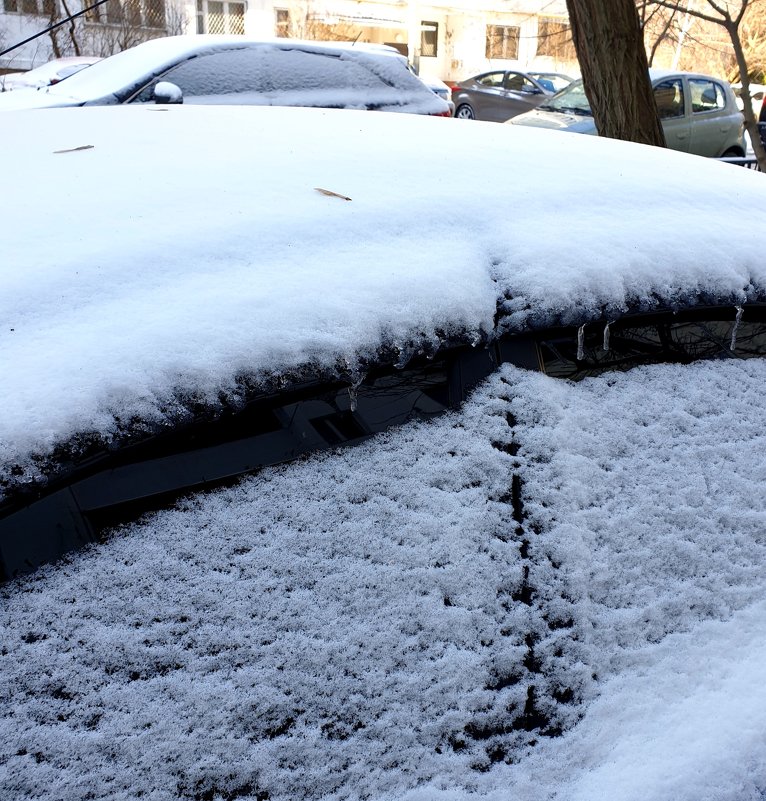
<point>751,123</point>
<point>610,48</point>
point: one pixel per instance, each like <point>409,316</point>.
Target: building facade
<point>450,41</point>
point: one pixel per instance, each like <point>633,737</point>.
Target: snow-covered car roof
<point>369,78</point>
<point>204,283</point>
<point>555,592</point>
<point>289,249</point>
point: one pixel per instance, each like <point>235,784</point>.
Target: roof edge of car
<point>90,482</point>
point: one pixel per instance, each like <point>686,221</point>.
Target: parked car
<point>495,96</point>
<point>442,90</point>
<point>384,494</point>
<point>699,113</point>
<point>47,74</point>
<point>236,70</point>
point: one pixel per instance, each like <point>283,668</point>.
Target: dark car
<point>216,70</point>
<point>498,95</point>
<point>383,494</point>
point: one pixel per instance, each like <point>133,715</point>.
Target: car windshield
<point>571,100</point>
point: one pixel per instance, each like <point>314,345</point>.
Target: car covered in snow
<point>219,69</point>
<point>309,492</point>
<point>48,74</point>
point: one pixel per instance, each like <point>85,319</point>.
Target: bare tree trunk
<point>53,18</point>
<point>610,48</point>
<point>751,124</point>
<point>72,30</point>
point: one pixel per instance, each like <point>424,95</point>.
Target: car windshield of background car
<point>571,100</point>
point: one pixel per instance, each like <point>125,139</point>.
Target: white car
<point>48,74</point>
<point>235,70</point>
<point>382,494</point>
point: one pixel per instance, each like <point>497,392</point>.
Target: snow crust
<point>183,248</point>
<point>368,623</point>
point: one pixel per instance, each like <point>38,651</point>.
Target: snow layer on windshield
<point>175,250</point>
<point>369,623</point>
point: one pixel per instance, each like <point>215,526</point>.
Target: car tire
<point>464,112</point>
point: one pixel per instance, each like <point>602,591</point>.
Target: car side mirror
<point>168,93</point>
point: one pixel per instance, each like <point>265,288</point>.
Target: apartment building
<point>443,40</point>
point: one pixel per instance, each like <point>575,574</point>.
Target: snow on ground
<point>157,254</point>
<point>368,623</point>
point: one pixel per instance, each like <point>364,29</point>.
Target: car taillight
<point>446,113</point>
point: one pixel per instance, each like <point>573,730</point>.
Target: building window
<point>214,16</point>
<point>554,38</point>
<point>41,8</point>
<point>134,13</point>
<point>282,22</point>
<point>429,38</point>
<point>502,41</point>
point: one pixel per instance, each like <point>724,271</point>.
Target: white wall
<point>461,37</point>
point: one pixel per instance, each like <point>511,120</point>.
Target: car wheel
<point>464,112</point>
<point>733,152</point>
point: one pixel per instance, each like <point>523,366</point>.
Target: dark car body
<point>531,586</point>
<point>244,208</point>
<point>94,488</point>
<point>501,94</point>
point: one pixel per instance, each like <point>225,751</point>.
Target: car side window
<point>706,95</point>
<point>516,82</point>
<point>492,79</point>
<point>669,96</point>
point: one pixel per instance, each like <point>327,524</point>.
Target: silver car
<point>699,113</point>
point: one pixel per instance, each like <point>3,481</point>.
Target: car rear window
<point>269,71</point>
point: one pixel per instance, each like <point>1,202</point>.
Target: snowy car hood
<point>31,98</point>
<point>186,272</point>
<point>557,120</point>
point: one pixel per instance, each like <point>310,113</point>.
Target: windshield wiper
<point>574,110</point>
